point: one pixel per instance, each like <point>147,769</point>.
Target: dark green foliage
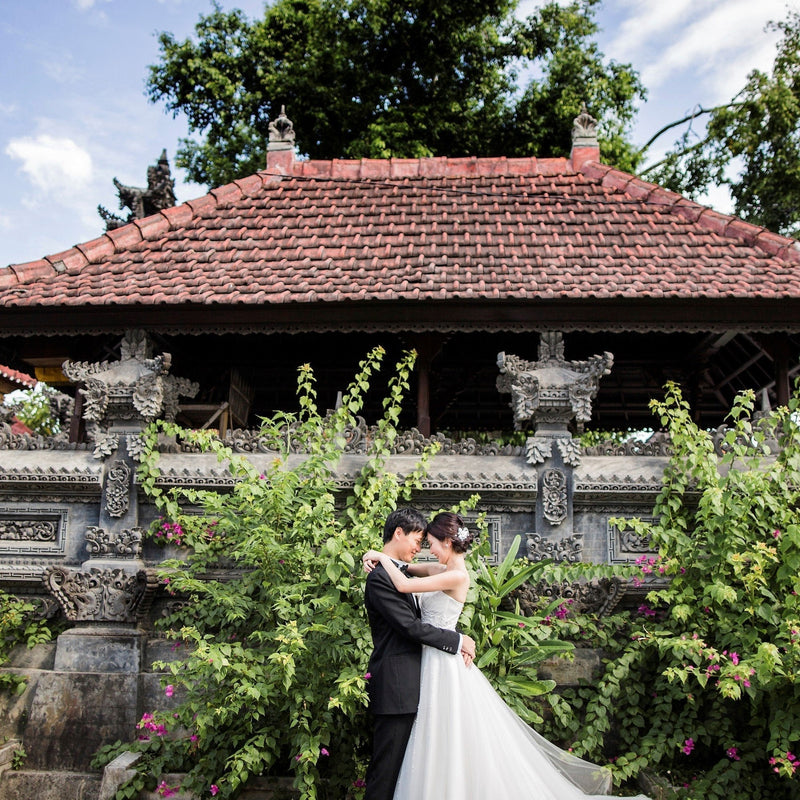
<point>760,128</point>
<point>375,78</point>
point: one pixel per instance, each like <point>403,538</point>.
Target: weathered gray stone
<point>73,714</point>
<point>25,785</point>
<point>117,773</point>
<point>99,649</point>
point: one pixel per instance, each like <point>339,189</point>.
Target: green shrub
<point>275,633</point>
<point>702,683</point>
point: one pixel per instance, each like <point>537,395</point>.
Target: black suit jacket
<point>398,634</point>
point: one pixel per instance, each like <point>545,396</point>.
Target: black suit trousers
<point>390,737</point>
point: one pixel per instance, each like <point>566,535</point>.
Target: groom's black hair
<point>409,519</point>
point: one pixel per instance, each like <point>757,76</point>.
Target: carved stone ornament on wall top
<point>136,388</point>
<point>552,389</point>
<point>102,595</point>
<point>568,548</point>
<point>101,543</point>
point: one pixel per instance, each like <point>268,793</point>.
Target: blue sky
<point>74,115</point>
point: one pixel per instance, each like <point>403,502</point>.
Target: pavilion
<point>459,258</point>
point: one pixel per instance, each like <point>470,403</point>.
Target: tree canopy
<point>758,134</point>
<point>374,78</point>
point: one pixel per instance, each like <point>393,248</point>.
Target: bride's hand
<point>370,560</point>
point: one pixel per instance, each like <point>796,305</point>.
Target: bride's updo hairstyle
<point>449,527</point>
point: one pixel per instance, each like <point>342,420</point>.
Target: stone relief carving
<point>118,486</point>
<point>29,530</point>
<point>101,595</point>
<point>568,548</point>
<point>126,543</point>
<point>596,597</point>
<point>554,496</point>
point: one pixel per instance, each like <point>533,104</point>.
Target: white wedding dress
<point>467,744</point>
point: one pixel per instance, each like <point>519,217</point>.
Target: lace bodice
<point>439,609</point>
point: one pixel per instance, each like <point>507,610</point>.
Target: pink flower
<point>324,752</point>
<point>214,788</point>
<point>688,746</point>
<point>733,754</point>
<point>367,676</point>
<point>735,658</point>
<point>646,611</point>
<point>359,783</point>
<point>170,690</point>
<point>776,534</point>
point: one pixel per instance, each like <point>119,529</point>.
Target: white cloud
<point>52,164</point>
<point>717,41</point>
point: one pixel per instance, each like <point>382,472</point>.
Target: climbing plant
<point>701,683</point>
<point>269,623</point>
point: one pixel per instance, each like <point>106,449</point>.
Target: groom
<point>398,634</point>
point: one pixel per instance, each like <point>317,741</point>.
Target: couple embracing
<point>441,732</point>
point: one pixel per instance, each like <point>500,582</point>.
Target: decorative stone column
<point>112,590</point>
<point>548,395</point>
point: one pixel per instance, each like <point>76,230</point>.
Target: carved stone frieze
<point>29,530</point>
<point>625,544</point>
<point>101,595</point>
<point>118,487</point>
<point>568,548</point>
<point>554,496</point>
<point>127,543</point>
<point>358,440</point>
<point>594,597</point>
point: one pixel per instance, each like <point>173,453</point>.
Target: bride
<point>466,743</point>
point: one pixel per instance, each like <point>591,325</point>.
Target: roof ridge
<point>114,241</point>
<point>425,167</point>
<point>726,225</point>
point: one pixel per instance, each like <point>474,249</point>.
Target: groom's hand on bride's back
<point>467,649</point>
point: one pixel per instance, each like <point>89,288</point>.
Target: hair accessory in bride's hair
<point>462,535</point>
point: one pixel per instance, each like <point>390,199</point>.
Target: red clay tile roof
<point>416,229</point>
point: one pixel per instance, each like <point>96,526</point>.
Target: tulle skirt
<point>467,744</point>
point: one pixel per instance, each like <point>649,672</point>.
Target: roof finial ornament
<point>281,132</point>
<point>584,129</point>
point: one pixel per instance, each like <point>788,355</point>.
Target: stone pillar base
<point>99,648</point>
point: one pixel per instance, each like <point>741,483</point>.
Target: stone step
<point>27,785</point>
<point>7,750</point>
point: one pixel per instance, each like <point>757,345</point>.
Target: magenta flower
<point>733,754</point>
<point>214,788</point>
<point>735,658</point>
<point>367,676</point>
<point>359,783</point>
<point>688,746</point>
<point>646,611</point>
<point>324,752</point>
<point>169,690</point>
